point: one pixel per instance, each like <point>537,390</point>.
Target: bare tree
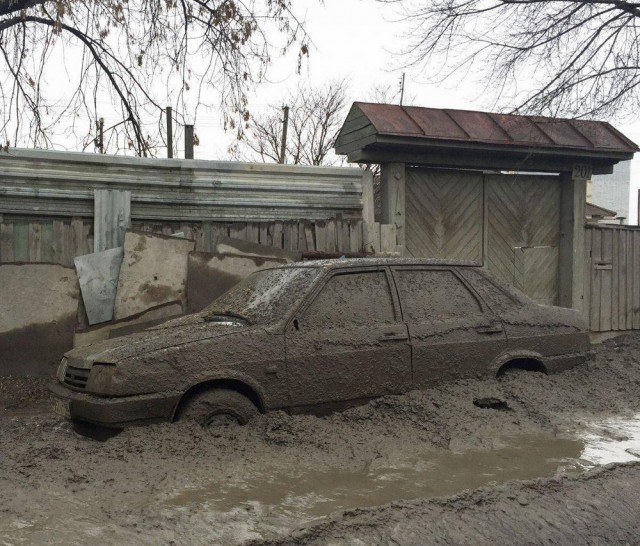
<point>553,57</point>
<point>315,117</point>
<point>129,52</point>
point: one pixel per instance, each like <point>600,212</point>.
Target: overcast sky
<point>356,40</point>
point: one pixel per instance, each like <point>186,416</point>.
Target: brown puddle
<point>268,502</point>
<point>314,493</point>
<point>272,499</point>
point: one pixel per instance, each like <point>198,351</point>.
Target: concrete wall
<point>211,274</point>
<point>38,307</point>
<point>153,273</point>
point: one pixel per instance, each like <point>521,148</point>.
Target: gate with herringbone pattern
<point>509,223</point>
<point>523,231</point>
<point>444,214</point>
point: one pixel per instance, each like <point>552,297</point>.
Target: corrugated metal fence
<point>50,183</point>
<point>612,277</point>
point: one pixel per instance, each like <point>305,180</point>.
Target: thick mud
<point>600,507</point>
<point>179,483</point>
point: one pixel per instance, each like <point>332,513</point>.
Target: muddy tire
<point>219,407</point>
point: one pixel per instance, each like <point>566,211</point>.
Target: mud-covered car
<point>317,336</point>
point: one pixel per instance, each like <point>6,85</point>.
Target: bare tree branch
<point>552,57</point>
<point>315,118</point>
<point>123,51</point>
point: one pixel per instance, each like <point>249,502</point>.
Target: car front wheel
<point>219,407</point>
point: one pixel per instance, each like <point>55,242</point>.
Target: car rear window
<point>431,294</point>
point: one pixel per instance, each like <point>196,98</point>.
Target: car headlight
<point>100,377</point>
<point>62,368</point>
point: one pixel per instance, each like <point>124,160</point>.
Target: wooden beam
<point>368,206</point>
<point>392,187</point>
<point>371,238</point>
<point>572,240</point>
<point>491,160</point>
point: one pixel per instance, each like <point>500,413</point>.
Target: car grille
<point>76,377</point>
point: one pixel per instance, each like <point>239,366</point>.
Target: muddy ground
<point>601,507</point>
<point>177,483</point>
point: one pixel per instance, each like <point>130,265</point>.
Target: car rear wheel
<point>519,366</point>
<point>219,408</point>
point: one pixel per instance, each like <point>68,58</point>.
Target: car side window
<point>351,299</point>
<point>430,294</point>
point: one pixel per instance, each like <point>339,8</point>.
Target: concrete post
<point>392,190</point>
<point>572,252</point>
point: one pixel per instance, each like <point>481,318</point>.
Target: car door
<point>348,342</point>
<point>453,333</point>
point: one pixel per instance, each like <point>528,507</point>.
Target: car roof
<point>362,262</point>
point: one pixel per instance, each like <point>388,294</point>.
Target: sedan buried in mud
<point>315,337</point>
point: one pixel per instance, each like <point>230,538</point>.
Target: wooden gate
<point>509,223</point>
<point>523,231</point>
<point>444,214</point>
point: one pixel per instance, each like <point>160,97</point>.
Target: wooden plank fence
<point>612,265</point>
<point>612,277</point>
<point>60,240</point>
<point>39,240</point>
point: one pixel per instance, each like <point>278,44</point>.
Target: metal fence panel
<point>62,184</point>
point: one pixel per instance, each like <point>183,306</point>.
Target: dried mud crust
<point>54,482</point>
<point>601,507</point>
<point>21,392</point>
<point>212,407</point>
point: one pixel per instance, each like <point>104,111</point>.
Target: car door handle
<point>489,329</point>
<point>394,336</point>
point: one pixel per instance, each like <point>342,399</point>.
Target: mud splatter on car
<point>318,336</point>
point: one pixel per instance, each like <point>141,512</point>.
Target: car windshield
<point>265,296</point>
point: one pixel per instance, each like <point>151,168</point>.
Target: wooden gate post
<point>392,193</point>
<point>572,219</point>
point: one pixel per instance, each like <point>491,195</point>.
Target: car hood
<point>170,334</point>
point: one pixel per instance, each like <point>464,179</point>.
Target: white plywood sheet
<point>98,277</point>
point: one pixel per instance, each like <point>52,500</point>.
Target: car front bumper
<point>114,412</point>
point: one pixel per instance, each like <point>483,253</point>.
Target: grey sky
<point>353,40</point>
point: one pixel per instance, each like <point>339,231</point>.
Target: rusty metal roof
<point>443,138</point>
<point>490,128</point>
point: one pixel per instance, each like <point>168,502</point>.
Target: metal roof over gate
<point>432,136</point>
